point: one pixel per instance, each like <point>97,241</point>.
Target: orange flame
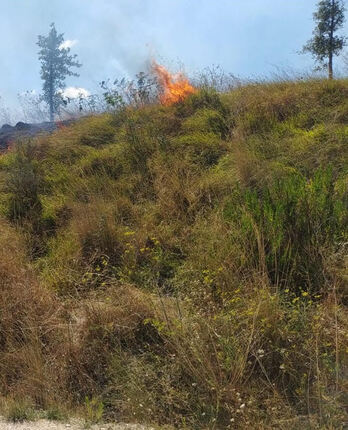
<point>175,87</point>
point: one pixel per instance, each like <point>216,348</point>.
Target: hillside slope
<point>182,265</point>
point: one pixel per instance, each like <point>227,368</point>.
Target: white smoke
<point>68,44</point>
<point>75,93</point>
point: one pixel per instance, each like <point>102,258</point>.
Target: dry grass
<point>192,263</point>
<point>30,327</point>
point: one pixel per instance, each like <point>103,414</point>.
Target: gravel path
<point>73,425</point>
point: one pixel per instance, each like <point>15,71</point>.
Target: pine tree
<point>325,43</point>
<point>56,64</point>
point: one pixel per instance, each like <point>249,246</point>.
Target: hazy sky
<point>114,38</point>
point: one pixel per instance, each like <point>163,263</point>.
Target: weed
<point>55,414</point>
<point>19,411</point>
<point>94,410</point>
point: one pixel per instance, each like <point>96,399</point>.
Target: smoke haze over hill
<point>117,39</point>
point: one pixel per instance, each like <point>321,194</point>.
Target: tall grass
<point>182,265</point>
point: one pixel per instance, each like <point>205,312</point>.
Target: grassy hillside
<point>182,265</point>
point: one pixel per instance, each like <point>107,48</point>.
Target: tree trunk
<point>331,40</point>
<point>51,113</point>
<point>330,66</point>
<point>51,97</point>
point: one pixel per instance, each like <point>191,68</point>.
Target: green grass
<point>183,265</point>
<point>19,411</point>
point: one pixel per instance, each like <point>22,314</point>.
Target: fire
<point>175,87</point>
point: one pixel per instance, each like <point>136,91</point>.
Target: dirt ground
<point>73,425</point>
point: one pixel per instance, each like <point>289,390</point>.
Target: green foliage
<point>94,410</point>
<point>138,92</point>
<point>291,225</point>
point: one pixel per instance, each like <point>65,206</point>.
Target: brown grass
<point>192,265</point>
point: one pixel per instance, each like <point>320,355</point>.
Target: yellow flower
<point>304,294</point>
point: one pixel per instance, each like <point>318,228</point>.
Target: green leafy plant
<point>94,410</point>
